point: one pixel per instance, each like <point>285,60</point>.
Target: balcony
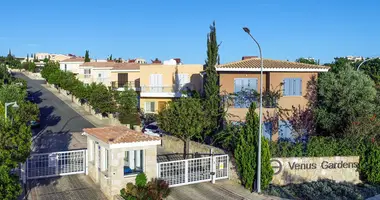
<point>119,86</point>
<point>233,101</point>
<point>165,91</point>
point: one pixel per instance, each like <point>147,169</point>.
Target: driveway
<point>71,187</point>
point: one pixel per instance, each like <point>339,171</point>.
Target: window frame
<point>150,106</point>
<point>291,81</point>
<point>127,159</point>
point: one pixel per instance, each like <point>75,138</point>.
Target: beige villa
<point>117,154</point>
<point>289,77</point>
<point>71,65</point>
<point>111,74</point>
<point>162,82</point>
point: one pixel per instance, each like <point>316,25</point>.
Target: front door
<point>122,79</point>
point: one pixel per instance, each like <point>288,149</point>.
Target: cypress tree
<point>212,104</point>
<point>246,152</point>
<point>246,149</point>
<point>87,57</point>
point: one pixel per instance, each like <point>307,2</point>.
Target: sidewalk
<point>79,109</point>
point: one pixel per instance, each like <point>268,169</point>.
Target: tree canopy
<point>343,98</point>
<point>183,118</point>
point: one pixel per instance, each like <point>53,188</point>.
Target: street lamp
<point>15,106</point>
<point>261,113</point>
<point>364,61</point>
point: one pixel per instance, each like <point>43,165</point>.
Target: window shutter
<point>285,88</point>
<point>152,107</point>
<point>268,130</point>
<point>300,86</point>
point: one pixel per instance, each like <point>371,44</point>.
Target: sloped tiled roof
<point>73,60</point>
<point>255,63</point>
<point>98,64</point>
<point>119,134</point>
<point>126,66</point>
<point>114,65</point>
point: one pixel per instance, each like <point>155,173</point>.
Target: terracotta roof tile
<point>126,66</point>
<point>73,60</point>
<point>268,63</point>
<point>114,65</point>
<point>98,64</point>
<point>119,134</point>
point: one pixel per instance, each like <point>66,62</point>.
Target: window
<point>285,130</point>
<point>181,79</point>
<point>65,67</point>
<point>105,165</point>
<point>292,87</point>
<point>267,132</point>
<point>87,73</point>
<point>150,107</point>
<point>244,88</point>
<point>133,162</point>
<point>99,75</point>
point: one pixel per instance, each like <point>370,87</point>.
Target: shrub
<point>324,189</point>
<point>158,189</point>
<point>318,146</point>
<point>369,165</point>
<point>141,180</point>
<point>266,167</point>
<point>155,189</point>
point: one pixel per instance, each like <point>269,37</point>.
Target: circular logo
<point>276,166</point>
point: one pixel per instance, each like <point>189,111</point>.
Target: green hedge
<point>366,148</point>
<point>318,146</point>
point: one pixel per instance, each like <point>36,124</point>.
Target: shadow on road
<point>36,96</point>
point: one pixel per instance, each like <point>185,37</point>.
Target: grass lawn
<point>324,190</point>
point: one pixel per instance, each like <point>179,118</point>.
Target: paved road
<point>58,121</point>
<point>60,130</point>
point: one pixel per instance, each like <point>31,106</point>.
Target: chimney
<point>178,60</point>
<point>248,57</point>
<point>156,61</point>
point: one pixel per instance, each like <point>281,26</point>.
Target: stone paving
<point>70,187</point>
<point>222,189</point>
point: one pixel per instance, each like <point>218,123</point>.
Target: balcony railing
<point>131,84</point>
<point>234,101</point>
<point>167,88</point>
<point>87,76</point>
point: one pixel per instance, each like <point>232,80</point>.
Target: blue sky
<point>286,29</point>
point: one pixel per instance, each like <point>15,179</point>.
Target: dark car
<point>152,129</point>
<point>35,123</point>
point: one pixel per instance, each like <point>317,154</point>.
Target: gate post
<point>86,162</point>
<point>186,171</point>
<point>213,169</point>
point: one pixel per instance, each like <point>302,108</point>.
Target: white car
<point>152,129</point>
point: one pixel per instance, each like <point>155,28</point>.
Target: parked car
<point>35,123</point>
<point>152,129</point>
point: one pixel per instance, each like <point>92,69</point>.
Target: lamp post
<point>15,106</point>
<point>258,184</point>
<point>364,61</point>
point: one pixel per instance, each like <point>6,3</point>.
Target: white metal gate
<point>196,170</point>
<point>45,165</point>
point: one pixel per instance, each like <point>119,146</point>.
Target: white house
<point>71,64</point>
